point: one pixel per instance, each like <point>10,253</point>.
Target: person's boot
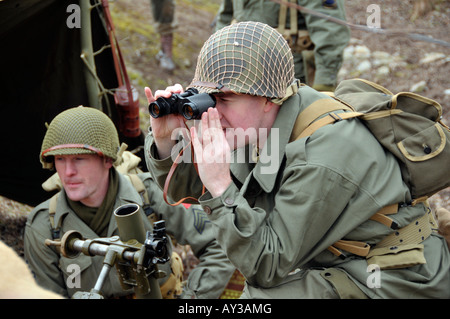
<point>164,56</point>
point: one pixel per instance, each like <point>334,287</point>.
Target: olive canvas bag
<point>406,124</point>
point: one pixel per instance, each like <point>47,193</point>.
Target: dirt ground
<point>398,15</point>
<point>140,44</point>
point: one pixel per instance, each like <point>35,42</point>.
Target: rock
<point>364,66</point>
<point>431,57</point>
<point>383,70</point>
<point>361,52</point>
<point>381,58</point>
<point>348,52</point>
<point>418,87</point>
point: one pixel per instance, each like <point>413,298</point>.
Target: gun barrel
<point>129,223</point>
<point>98,249</point>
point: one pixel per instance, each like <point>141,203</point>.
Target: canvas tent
<point>43,72</point>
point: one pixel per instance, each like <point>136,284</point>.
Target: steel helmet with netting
<point>79,130</point>
<point>246,57</point>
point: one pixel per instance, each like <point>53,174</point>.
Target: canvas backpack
<point>406,124</point>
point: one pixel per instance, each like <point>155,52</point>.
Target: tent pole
<point>87,54</point>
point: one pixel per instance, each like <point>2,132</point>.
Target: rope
<point>392,32</point>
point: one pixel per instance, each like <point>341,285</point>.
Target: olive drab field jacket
<point>188,226</point>
<point>280,216</point>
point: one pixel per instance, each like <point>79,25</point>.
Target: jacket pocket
<point>73,270</point>
<point>394,257</point>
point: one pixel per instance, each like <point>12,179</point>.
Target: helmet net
<point>246,57</point>
<point>80,130</point>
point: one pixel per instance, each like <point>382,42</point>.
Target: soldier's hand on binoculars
<point>163,127</point>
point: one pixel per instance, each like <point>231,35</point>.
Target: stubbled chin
<point>72,191</point>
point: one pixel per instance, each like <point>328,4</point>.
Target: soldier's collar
<point>271,156</point>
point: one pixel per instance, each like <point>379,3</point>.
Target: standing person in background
<point>317,44</point>
<point>165,25</point>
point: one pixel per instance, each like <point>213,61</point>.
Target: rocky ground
<point>395,61</point>
<point>400,63</point>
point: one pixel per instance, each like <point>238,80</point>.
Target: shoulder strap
<point>138,184</point>
<point>308,120</point>
<point>140,187</point>
<point>329,119</point>
<point>56,229</point>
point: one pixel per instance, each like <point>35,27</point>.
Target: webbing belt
<point>362,248</point>
<point>414,233</point>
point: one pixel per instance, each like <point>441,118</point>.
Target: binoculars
<point>190,104</point>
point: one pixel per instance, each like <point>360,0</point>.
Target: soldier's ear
<point>108,161</point>
<point>269,105</point>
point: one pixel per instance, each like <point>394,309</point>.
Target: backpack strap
<point>328,119</point>
<point>56,229</point>
<point>308,121</point>
<point>140,188</point>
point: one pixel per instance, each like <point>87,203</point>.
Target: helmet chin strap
<point>290,91</point>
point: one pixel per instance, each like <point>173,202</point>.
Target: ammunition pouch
<point>403,248</point>
<point>394,257</point>
<point>344,286</point>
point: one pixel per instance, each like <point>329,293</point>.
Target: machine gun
<point>135,254</point>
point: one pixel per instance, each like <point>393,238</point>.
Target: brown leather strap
<point>169,178</point>
<point>116,53</point>
<point>362,248</point>
<point>381,217</point>
<point>171,172</point>
<point>356,247</point>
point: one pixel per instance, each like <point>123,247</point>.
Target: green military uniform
<point>329,38</point>
<point>165,25</point>
<point>164,16</point>
<point>279,216</point>
<point>188,226</point>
